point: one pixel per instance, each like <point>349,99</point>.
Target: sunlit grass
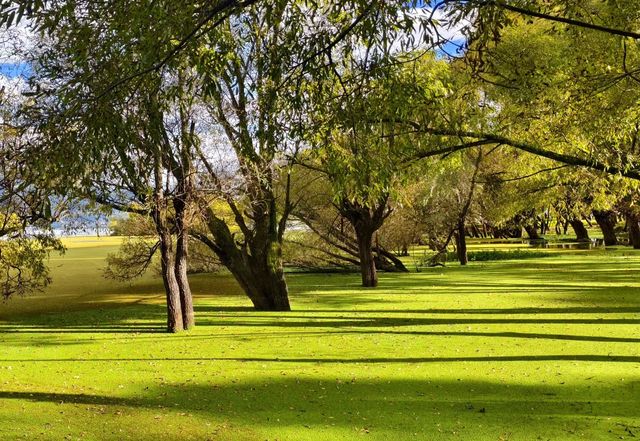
<point>515,350</point>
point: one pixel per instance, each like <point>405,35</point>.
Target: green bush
<point>429,260</point>
<point>489,255</point>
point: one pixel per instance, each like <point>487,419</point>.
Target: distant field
<point>538,349</point>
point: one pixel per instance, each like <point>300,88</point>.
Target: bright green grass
<point>539,349</point>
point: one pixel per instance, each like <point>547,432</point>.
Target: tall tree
<point>362,143</point>
<point>258,72</point>
<point>129,150</point>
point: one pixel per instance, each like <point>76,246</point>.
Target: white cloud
<point>15,42</point>
<point>444,28</point>
<point>12,86</point>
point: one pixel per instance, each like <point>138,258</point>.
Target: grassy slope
<point>539,349</point>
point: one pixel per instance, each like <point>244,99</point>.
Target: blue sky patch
<point>13,70</point>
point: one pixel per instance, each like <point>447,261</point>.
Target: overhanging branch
<point>487,138</point>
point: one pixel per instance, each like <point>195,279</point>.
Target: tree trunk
<point>582,235</point>
<point>606,220</point>
<point>365,222</point>
<point>558,230</point>
<point>367,262</point>
<point>264,284</point>
<point>633,226</point>
<point>167,254</point>
<point>181,267</point>
<point>181,203</point>
<point>532,231</point>
<point>186,298</point>
<point>347,244</point>
<point>172,290</point>
<point>544,227</point>
<point>461,244</point>
<point>266,287</point>
<point>259,272</point>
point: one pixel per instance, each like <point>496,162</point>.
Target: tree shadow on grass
<point>150,318</point>
<point>294,321</point>
<point>132,318</point>
<point>396,408</point>
<point>554,274</point>
<point>340,360</point>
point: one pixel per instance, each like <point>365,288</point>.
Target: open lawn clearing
<point>544,348</point>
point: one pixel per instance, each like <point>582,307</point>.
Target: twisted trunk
<point>182,254</point>
<point>167,262</point>
<point>365,222</point>
<point>257,265</point>
<point>532,231</point>
<point>386,261</point>
<point>348,244</point>
<point>606,220</point>
<point>582,235</point>
<point>633,225</point>
<point>182,169</point>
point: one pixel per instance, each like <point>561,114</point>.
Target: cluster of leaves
<point>23,266</point>
<point>361,127</point>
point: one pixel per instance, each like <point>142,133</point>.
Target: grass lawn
<point>539,349</point>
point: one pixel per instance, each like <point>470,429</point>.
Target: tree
<point>561,91</point>
<point>253,62</point>
<point>257,91</point>
<point>128,151</point>
<point>361,143</point>
<point>27,210</point>
<point>334,236</point>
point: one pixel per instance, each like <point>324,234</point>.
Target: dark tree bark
<point>167,262</point>
<point>544,225</point>
<point>512,230</point>
<point>461,244</point>
<point>607,220</point>
<point>181,266</point>
<point>633,225</point>
<point>343,240</point>
<point>386,261</point>
<point>367,260</point>
<point>365,222</point>
<point>257,265</point>
<point>532,231</point>
<point>181,166</point>
<point>557,228</point>
<point>582,235</point>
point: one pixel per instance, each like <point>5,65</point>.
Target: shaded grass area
<point>514,350</point>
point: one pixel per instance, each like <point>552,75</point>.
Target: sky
<point>14,69</point>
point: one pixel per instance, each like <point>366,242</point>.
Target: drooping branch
<point>488,138</point>
<point>558,19</point>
